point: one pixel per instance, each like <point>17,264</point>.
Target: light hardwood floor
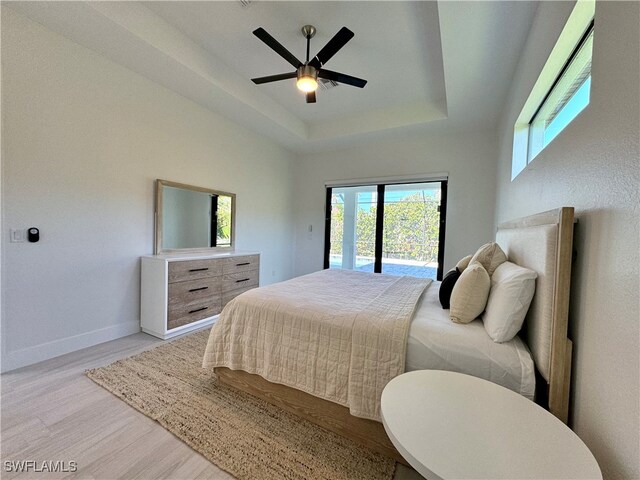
<point>52,412</point>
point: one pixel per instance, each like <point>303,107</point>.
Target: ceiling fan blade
<point>330,49</point>
<point>342,78</point>
<point>262,34</point>
<point>311,97</point>
<point>274,78</point>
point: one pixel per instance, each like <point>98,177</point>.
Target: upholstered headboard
<point>544,243</point>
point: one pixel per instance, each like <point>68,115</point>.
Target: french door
<point>395,229</point>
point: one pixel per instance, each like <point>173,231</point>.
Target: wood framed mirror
<point>193,219</point>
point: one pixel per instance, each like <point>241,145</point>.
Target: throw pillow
<point>464,263</point>
<point>446,287</point>
<point>490,255</point>
<point>469,296</point>
<point>512,289</point>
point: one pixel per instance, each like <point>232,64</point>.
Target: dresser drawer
<point>232,281</point>
<point>183,314</point>
<point>194,269</point>
<point>194,290</point>
<point>241,264</point>
<point>228,296</point>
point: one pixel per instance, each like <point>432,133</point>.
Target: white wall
<point>83,141</point>
<point>594,166</point>
<point>468,158</point>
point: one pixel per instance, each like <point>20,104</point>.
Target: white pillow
<point>469,295</point>
<point>512,288</point>
<point>490,255</point>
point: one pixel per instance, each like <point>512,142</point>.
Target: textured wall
<point>83,141</point>
<point>594,166</point>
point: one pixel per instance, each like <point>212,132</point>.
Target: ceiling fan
<point>307,73</point>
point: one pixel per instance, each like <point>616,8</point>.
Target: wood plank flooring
<point>51,412</point>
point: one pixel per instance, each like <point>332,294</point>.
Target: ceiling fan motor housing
<point>307,71</point>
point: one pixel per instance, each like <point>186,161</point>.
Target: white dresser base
<point>183,329</point>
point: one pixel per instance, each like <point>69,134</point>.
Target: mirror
<point>193,218</point>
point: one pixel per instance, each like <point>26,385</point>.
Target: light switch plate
<point>17,235</point>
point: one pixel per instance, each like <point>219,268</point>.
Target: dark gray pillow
<point>446,287</point>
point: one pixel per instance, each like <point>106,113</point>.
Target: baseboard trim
<point>45,351</point>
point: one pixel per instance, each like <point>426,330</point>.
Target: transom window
<point>561,92</point>
<point>568,96</point>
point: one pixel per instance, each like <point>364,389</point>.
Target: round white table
<point>450,425</point>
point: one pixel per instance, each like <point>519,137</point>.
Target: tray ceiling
<point>429,65</point>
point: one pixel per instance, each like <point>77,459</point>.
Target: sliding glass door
<point>396,229</point>
<point>353,222</point>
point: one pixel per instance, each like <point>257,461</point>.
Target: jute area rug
<point>246,436</point>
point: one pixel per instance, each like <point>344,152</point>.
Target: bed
<point>251,350</point>
<point>436,343</point>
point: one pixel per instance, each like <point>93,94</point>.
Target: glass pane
<point>411,229</point>
<point>186,218</point>
<point>353,227</point>
<point>568,98</point>
<point>578,101</point>
<point>224,222</point>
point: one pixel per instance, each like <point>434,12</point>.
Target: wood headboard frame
<point>556,353</point>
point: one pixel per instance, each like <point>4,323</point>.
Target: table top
<point>451,425</point>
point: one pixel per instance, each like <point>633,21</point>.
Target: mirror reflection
<point>192,217</point>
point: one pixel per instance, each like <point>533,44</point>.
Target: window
<point>395,229</point>
<point>561,92</point>
<point>568,96</point>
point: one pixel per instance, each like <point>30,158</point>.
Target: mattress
<point>436,343</point>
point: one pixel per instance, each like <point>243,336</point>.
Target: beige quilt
<point>336,334</point>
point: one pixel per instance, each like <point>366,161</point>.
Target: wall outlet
<point>17,235</point>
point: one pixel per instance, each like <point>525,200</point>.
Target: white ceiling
<point>429,65</point>
<point>410,59</point>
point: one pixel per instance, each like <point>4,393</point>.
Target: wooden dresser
<point>182,292</point>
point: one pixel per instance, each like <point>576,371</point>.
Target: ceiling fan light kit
<point>307,73</point>
<point>307,79</point>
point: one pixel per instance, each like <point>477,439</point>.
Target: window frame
<point>576,28</point>
<point>380,189</point>
<point>583,39</point>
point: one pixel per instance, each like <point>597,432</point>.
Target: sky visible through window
<point>574,106</point>
<point>568,97</point>
<point>368,199</point>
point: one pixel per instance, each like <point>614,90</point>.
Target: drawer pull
<point>198,309</point>
<point>198,289</point>
<point>241,264</point>
<point>198,269</point>
<point>243,280</point>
